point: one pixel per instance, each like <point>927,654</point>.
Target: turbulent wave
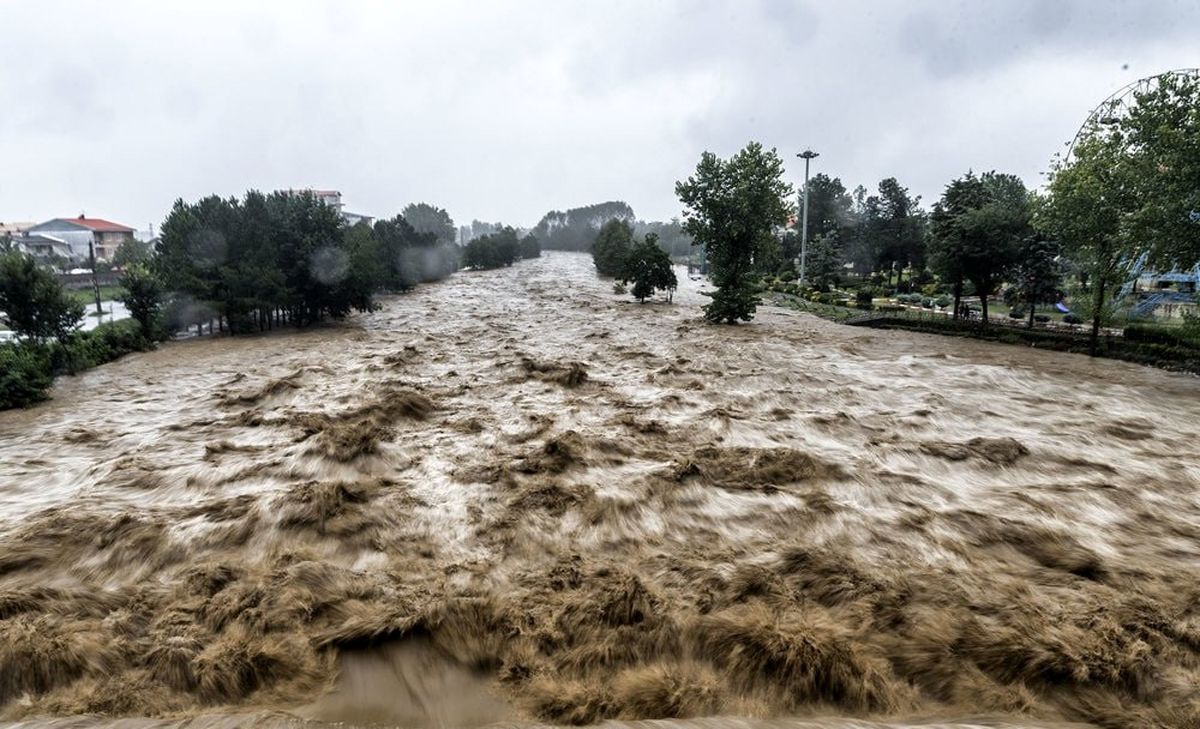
<point>513,497</point>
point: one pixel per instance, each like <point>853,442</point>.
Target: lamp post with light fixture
<point>807,156</point>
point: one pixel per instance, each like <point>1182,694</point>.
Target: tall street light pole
<point>807,156</point>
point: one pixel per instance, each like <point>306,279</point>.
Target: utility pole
<point>807,156</point>
<point>95,282</point>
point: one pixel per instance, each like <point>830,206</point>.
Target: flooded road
<point>515,497</point>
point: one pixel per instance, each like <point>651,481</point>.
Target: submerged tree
<point>612,246</point>
<point>530,246</point>
<point>261,259</point>
<point>733,208</point>
<point>648,268</point>
<point>426,218</point>
<point>501,248</point>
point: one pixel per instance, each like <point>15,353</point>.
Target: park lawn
<point>88,296</point>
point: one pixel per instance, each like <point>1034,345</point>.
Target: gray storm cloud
<point>501,111</point>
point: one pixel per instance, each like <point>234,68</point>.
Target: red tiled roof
<point>99,224</point>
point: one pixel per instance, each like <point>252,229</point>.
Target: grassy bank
<point>87,296</point>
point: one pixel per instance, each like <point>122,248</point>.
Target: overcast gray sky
<point>503,110</point>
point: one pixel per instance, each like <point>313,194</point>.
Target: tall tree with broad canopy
<point>426,218</point>
<point>732,208</point>
<point>1129,189</point>
<point>648,268</point>
<point>897,228</point>
<point>978,227</point>
<point>1162,134</point>
<point>829,206</point>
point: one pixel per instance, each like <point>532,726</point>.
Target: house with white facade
<point>333,198</point>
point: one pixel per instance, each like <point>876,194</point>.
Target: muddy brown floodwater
<point>514,497</point>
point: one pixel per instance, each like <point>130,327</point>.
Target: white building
<point>333,198</point>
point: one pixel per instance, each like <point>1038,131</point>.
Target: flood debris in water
<point>784,544</point>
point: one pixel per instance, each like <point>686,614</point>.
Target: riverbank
<point>1171,353</point>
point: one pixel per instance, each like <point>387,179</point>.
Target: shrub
<point>1159,335</point>
<point>943,301</point>
<point>1072,319</point>
<point>864,297</point>
<point>1041,318</point>
<point>105,343</point>
<point>927,303</point>
<point>24,375</point>
<point>619,288</point>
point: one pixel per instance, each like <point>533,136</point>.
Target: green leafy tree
<point>978,227</point>
<point>34,303</point>
<point>829,206</point>
<point>1037,275</point>
<point>262,259</point>
<point>612,246</point>
<point>671,236</point>
<point>896,229</point>
<point>1161,135</point>
<point>426,218</point>
<point>399,269</point>
<point>576,229</point>
<point>1089,209</point>
<point>498,249</point>
<point>824,261</point>
<point>132,252</point>
<point>830,218</point>
<point>733,208</point>
<point>142,296</point>
<point>530,246</point>
<point>1128,190</point>
<point>648,268</point>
